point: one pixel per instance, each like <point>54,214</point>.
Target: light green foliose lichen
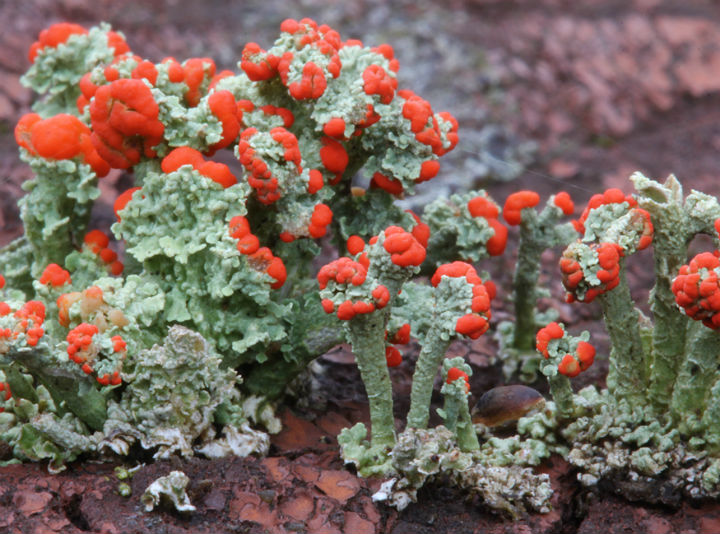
<point>175,394</point>
<point>39,430</point>
<point>56,209</point>
<point>189,251</point>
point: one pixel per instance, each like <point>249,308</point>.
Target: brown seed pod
<point>506,403</point>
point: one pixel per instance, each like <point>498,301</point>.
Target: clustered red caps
<point>55,276</point>
<point>247,242</point>
<point>265,261</point>
<point>403,247</point>
<point>320,220</point>
<point>570,365</point>
<point>476,323</point>
<point>610,196</point>
<point>308,80</point>
<point>260,177</point>
<point>60,137</point>
<point>82,351</point>
<point>59,33</point>
<point>125,123</point>
<point>574,279</point>
<point>425,126</point>
<point>454,374</point>
<point>217,172</point>
<point>401,336</point>
<point>344,272</point>
<point>482,206</point>
<point>516,202</point>
<point>29,321</point>
<point>98,242</point>
<point>545,334</point>
<point>697,290</point>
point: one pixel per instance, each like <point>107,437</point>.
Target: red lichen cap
<point>456,269</point>
<point>610,196</point>
<point>223,106</point>
<point>563,201</point>
<point>472,325</point>
<point>545,334</point>
<point>59,137</point>
<point>257,64</point>
<point>454,374</point>
<point>404,249</point>
<point>355,244</point>
<point>421,231</point>
<point>569,366</point>
<point>376,81</point>
<point>573,277</point>
<point>217,172</point>
<point>387,184</point>
<point>496,244</point>
<point>264,260</point>
<point>697,289</point>
<point>481,206</point>
<point>342,271</point>
<point>401,335</point>
<point>125,124</point>
<point>122,200</point>
<point>515,203</point>
<point>55,276</point>
<point>319,221</point>
<point>393,356</point>
<point>5,393</point>
<point>585,354</point>
<point>53,36</point>
<point>96,240</point>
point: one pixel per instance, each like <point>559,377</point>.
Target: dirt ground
<point>584,92</point>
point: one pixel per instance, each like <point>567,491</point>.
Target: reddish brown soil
<point>604,87</point>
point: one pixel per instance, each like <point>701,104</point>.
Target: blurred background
<point>549,94</point>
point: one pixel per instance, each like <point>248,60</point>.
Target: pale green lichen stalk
<point>460,307</point>
<point>455,411</point>
<point>565,356</point>
<point>361,295</point>
<point>594,267</point>
<point>538,232</point>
